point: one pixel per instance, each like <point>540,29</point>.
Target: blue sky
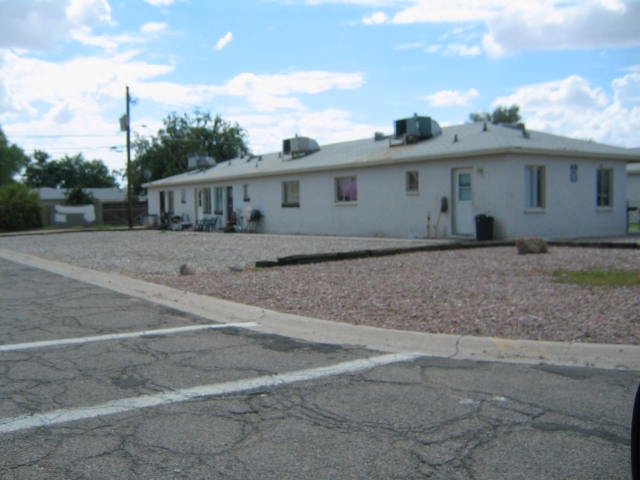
<point>332,70</point>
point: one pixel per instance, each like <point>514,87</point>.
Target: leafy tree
<point>77,196</point>
<point>480,117</point>
<point>20,207</point>
<point>166,154</point>
<point>12,160</point>
<point>500,115</point>
<point>68,172</point>
<point>506,115</point>
<point>40,172</point>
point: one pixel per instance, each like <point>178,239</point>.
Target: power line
<point>71,135</point>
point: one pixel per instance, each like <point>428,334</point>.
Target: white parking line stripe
<point>118,336</point>
<point>55,417</point>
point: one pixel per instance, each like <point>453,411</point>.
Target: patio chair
<point>211,223</point>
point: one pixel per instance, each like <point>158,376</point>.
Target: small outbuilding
<point>422,181</point>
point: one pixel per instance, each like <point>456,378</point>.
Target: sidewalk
<point>624,357</point>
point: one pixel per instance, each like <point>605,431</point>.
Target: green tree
<point>506,114</point>
<point>68,172</point>
<point>19,207</point>
<point>77,196</point>
<point>12,160</point>
<point>166,154</point>
<point>500,115</point>
<point>480,117</point>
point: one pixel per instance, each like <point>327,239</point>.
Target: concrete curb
<point>623,357</point>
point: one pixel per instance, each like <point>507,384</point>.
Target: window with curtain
<point>346,189</point>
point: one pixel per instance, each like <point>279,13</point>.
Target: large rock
<point>531,245</point>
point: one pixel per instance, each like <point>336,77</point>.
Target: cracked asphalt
<point>419,417</point>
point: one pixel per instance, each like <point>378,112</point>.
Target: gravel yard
<point>486,291</point>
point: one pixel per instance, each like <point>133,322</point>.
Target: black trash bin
<point>484,227</point>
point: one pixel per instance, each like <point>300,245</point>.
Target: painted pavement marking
<point>123,405</point>
<point>119,336</point>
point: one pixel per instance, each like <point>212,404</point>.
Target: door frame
<point>455,215</point>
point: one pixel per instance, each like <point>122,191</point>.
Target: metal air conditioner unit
<point>416,128</point>
<point>201,161</point>
<point>299,146</point>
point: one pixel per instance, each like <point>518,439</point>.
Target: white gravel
<point>487,291</point>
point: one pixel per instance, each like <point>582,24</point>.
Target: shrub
<point>20,207</point>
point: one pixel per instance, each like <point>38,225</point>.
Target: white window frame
<point>412,182</point>
<point>218,200</point>
<point>245,193</point>
<point>291,194</point>
<point>604,188</point>
<point>206,201</point>
<point>346,194</point>
<point>535,187</point>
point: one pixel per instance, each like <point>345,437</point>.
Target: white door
<point>463,223</point>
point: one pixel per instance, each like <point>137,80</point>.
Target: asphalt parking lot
<point>98,384</point>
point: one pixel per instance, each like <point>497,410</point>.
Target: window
<point>219,192</point>
<point>346,189</point>
<point>291,194</point>
<point>245,192</point>
<point>604,187</point>
<point>411,181</point>
<point>183,195</point>
<point>534,187</point>
<point>206,200</point>
<point>464,187</point>
<point>170,207</point>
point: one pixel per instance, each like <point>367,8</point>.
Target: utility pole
<point>129,184</point>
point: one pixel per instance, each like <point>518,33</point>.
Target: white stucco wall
<point>385,209</point>
<point>633,185</point>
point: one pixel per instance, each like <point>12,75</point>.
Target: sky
<point>332,70</point>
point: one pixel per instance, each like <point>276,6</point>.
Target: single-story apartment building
<point>422,181</point>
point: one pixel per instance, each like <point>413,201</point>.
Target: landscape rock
<point>187,269</point>
<point>531,245</point>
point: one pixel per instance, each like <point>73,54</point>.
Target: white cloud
<point>542,25</point>
<point>84,97</point>
<point>454,49</point>
<point>462,50</point>
<point>224,41</point>
<point>34,24</point>
<point>271,92</point>
<point>451,98</point>
<point>160,3</point>
<point>573,107</point>
<point>69,107</point>
<point>88,12</point>
<point>375,18</point>
<point>330,125</point>
<point>409,46</point>
<point>153,27</point>
<point>430,11</point>
<point>552,25</point>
